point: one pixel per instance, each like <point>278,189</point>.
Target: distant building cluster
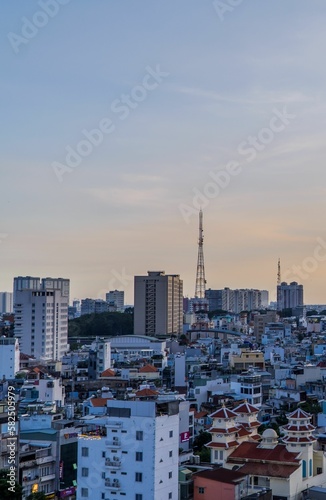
<point>235,301</point>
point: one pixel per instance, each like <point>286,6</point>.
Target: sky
<point>120,119</point>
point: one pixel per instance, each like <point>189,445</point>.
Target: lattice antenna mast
<point>200,275</point>
<point>279,272</point>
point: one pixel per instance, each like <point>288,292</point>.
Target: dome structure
<point>269,439</point>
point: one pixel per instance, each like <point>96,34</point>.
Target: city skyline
<point>191,107</point>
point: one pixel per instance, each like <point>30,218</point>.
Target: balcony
<point>114,424</point>
<point>48,477</point>
<point>114,484</point>
<point>45,460</point>
<point>112,464</point>
<point>28,464</point>
<point>115,443</point>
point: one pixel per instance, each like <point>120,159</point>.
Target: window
<point>138,477</point>
<point>170,453</point>
<point>103,454</point>
<point>139,456</point>
<point>201,490</point>
<point>171,434</point>
<point>84,451</point>
<point>170,495</point>
<point>84,472</point>
<point>138,496</point>
<point>170,475</point>
<point>84,492</point>
<point>139,435</point>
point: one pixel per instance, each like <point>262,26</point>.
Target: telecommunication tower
<point>200,275</point>
<point>279,272</point>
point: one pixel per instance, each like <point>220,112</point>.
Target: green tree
<point>4,485</point>
<point>202,439</point>
<point>313,312</point>
<point>205,455</point>
<point>102,325</point>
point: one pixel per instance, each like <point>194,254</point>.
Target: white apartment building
<point>6,302</point>
<point>131,452</point>
<point>49,390</point>
<point>116,298</point>
<point>41,316</point>
<point>158,304</point>
<point>9,357</point>
<point>99,358</point>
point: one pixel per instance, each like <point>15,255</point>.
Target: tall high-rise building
<point>158,304</point>
<point>41,316</point>
<point>289,296</point>
<point>6,302</point>
<point>116,299</point>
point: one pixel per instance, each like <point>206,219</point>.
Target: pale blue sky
<point>120,208</point>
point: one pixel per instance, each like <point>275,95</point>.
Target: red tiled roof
<point>300,428</point>
<point>108,373</point>
<point>231,444</point>
<point>298,414</point>
<point>25,357</point>
<point>98,402</point>
<point>252,451</point>
<point>148,369</point>
<point>246,408</point>
<point>224,413</point>
<point>307,439</point>
<point>221,475</point>
<point>243,432</point>
<point>146,393</point>
<point>256,437</point>
<point>201,414</point>
<point>252,425</point>
<point>231,430</point>
<point>269,470</point>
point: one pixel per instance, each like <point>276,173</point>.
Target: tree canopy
<point>105,324</point>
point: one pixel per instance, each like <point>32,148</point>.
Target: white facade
<point>41,316</point>
<point>137,345</point>
<point>180,370</point>
<point>9,357</point>
<point>116,298</point>
<point>158,304</point>
<point>50,390</point>
<point>131,452</point>
<point>100,354</point>
<point>6,302</point>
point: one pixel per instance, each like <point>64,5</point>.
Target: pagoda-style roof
<point>224,413</point>
<point>298,414</point>
<point>231,444</point>
<point>246,408</point>
<point>305,439</point>
<point>298,428</point>
<point>230,430</point>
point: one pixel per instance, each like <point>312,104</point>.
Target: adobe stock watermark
<point>30,27</point>
<point>121,107</point>
<point>225,6</point>
<point>309,265</point>
<point>220,178</point>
